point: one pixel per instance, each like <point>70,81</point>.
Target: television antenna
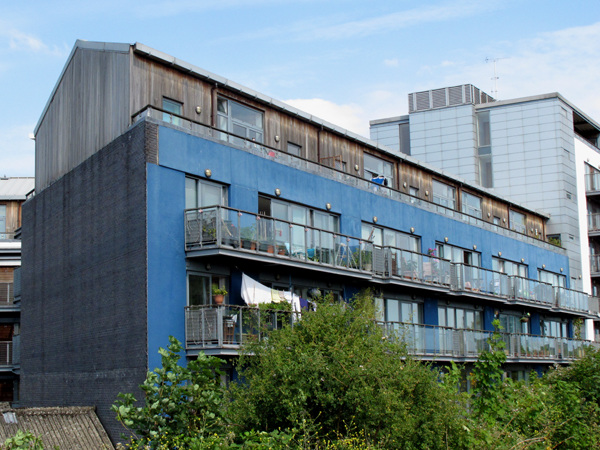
<point>495,77</point>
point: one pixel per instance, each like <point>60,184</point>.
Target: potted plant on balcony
<point>218,295</point>
<point>248,236</point>
<point>525,317</point>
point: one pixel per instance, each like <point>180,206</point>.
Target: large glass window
<point>171,107</point>
<point>201,193</point>
<point>458,254</point>
<point>471,204</point>
<point>509,267</point>
<point>514,323</point>
<point>555,279</point>
<point>389,238</point>
<point>484,150</point>
<point>554,328</point>
<point>3,222</point>
<point>239,119</point>
<point>200,288</point>
<point>403,311</point>
<point>378,170</point>
<point>443,194</point>
<point>518,221</point>
<point>462,318</point>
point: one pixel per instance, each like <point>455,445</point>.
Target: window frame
<point>372,173</point>
<point>227,120</point>
<point>468,208</point>
<point>518,227</point>
<point>443,200</point>
<point>170,107</point>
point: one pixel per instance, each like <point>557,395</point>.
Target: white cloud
<point>391,62</point>
<point>18,40</point>
<point>348,116</point>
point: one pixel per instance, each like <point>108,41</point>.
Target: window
<point>458,255</point>
<point>404,133</point>
<point>403,311</point>
<point>512,323</point>
<point>389,238</point>
<point>414,193</point>
<point>378,170</point>
<point>509,267</point>
<point>484,150</point>
<point>201,193</point>
<point>294,149</point>
<point>200,288</point>
<point>239,120</point>
<point>518,221</point>
<point>3,222</point>
<point>443,194</point>
<point>555,328</point>
<point>555,279</point>
<point>171,107</point>
<point>497,220</point>
<point>471,204</point>
<point>461,318</point>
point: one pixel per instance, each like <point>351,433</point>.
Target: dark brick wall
<point>84,332</point>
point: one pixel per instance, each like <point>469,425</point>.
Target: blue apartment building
<point>157,181</point>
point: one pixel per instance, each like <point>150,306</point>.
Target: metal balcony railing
<point>223,227</point>
<point>593,223</point>
<point>7,294</point>
<point>219,225</point>
<point>436,341</point>
<point>6,353</point>
<point>594,263</point>
<point>592,182</point>
<point>228,327</point>
<point>265,151</point>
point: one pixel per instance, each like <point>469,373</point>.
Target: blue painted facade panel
<point>166,259</point>
<point>247,176</point>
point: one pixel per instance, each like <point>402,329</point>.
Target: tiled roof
<point>72,427</point>
<point>15,188</point>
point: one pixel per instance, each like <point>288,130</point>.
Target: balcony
<point>7,294</point>
<point>223,330</point>
<point>232,232</point>
<point>6,355</point>
<point>592,183</point>
<point>594,224</point>
<point>264,151</point>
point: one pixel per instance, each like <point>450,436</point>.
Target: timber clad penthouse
<point>157,181</point>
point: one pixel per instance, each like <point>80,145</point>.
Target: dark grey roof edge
<point>79,43</point>
<point>389,120</point>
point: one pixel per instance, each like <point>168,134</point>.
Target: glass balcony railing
<point>593,223</point>
<point>228,327</point>
<point>592,182</point>
<point>223,227</point>
<point>7,294</point>
<point>251,232</point>
<point>332,173</point>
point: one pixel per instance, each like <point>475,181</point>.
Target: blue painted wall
<point>248,175</point>
<point>166,259</point>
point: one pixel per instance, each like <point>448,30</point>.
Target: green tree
<point>180,403</point>
<point>335,374</point>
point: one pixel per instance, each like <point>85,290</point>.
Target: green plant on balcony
<point>555,241</point>
<point>248,236</point>
<point>218,294</point>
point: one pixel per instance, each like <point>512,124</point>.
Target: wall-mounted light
<point>445,239</point>
<point>504,219</point>
<point>276,138</point>
<point>426,193</point>
<point>489,215</point>
<point>580,277</point>
<point>208,267</point>
<point>561,269</point>
<point>277,276</point>
<point>374,219</point>
<point>208,173</point>
<point>198,109</point>
<point>328,206</point>
<point>499,253</point>
<point>543,266</point>
<point>522,260</point>
<point>412,229</point>
<point>356,167</point>
<point>474,246</point>
<point>404,184</point>
<point>277,192</point>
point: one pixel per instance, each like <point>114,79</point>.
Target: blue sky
<point>346,61</point>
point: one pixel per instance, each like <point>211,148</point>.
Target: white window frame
<point>228,121</point>
<point>468,204</point>
<point>443,194</point>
